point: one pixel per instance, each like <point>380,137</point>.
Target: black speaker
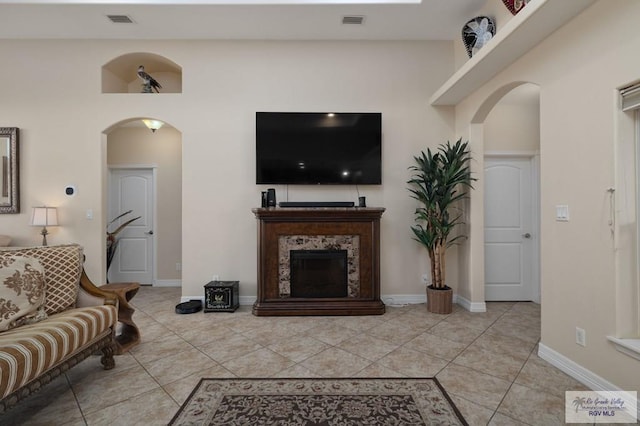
<point>264,199</point>
<point>271,197</point>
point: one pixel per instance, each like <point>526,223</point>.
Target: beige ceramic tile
<point>413,363</point>
<point>513,329</point>
<point>178,366</point>
<point>331,333</point>
<point>436,346</point>
<point>98,390</point>
<point>480,388</point>
<point>368,347</point>
<point>502,420</point>
<point>182,388</point>
<point>528,308</point>
<point>394,331</point>
<point>297,371</point>
<point>299,348</point>
<point>244,323</point>
<point>525,320</point>
<point>152,330</point>
<point>229,347</point>
<point>268,335</point>
<point>375,370</point>
<point>419,321</point>
<point>53,402</point>
<point>159,348</point>
<point>473,413</point>
<point>455,332</point>
<point>499,307</point>
<point>334,362</point>
<point>500,344</point>
<point>539,374</point>
<point>259,363</point>
<point>206,333</point>
<point>362,323</point>
<point>238,340</point>
<point>532,406</point>
<point>152,408</point>
<point>92,365</point>
<point>500,365</point>
<point>476,320</point>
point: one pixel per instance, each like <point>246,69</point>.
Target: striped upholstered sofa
<point>51,318</point>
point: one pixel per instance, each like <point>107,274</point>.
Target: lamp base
<point>44,233</point>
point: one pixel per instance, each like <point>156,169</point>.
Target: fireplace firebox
<point>318,273</point>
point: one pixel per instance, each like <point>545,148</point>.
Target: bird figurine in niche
<point>150,83</point>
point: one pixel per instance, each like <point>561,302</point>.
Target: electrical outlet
<point>178,266</point>
<point>425,278</point>
<point>581,337</point>
<point>216,278</point>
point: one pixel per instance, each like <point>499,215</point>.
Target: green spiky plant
<point>439,181</point>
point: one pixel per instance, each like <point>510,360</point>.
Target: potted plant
<point>439,181</point>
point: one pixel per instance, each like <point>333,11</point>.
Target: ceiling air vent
<point>352,20</point>
<point>120,19</point>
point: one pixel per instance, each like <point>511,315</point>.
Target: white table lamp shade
<point>44,216</point>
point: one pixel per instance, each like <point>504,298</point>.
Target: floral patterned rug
<point>318,402</point>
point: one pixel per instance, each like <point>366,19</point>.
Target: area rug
<point>318,402</point>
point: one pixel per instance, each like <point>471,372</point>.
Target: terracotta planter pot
<point>440,301</point>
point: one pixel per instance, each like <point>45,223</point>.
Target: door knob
<point>150,232</point>
<point>527,235</point>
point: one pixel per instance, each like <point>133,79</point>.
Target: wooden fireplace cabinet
<point>274,222</point>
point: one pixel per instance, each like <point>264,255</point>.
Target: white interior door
<point>132,189</point>
<point>509,230</point>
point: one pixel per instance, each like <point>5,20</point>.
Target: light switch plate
<point>562,213</point>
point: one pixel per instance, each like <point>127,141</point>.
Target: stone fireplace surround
<point>350,243</point>
<point>354,229</point>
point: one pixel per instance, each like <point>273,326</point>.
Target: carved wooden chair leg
<point>107,356</point>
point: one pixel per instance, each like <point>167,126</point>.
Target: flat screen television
<point>309,148</point>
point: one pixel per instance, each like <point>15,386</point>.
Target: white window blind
<point>630,97</point>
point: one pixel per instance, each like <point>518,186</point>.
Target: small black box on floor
<point>221,296</point>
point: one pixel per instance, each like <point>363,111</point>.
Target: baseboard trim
<point>403,299</point>
<point>471,306</point>
<point>242,300</point>
<point>167,283</point>
<point>578,372</point>
<point>575,370</point>
<point>388,299</point>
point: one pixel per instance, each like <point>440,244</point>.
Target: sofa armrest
<point>90,295</point>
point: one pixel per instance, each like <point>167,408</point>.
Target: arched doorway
<point>505,133</point>
<point>144,175</point>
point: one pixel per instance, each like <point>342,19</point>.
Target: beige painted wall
<point>64,116</point>
<point>514,123</point>
<point>163,149</point>
<point>578,72</point>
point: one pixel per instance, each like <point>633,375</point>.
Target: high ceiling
<point>237,19</point>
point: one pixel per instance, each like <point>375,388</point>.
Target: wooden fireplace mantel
<point>276,222</point>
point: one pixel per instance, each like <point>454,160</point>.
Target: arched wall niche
<point>120,74</point>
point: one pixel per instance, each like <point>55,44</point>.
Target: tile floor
<point>487,362</point>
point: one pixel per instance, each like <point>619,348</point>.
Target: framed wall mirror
<point>9,171</point>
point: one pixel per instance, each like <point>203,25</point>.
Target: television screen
<point>318,148</point>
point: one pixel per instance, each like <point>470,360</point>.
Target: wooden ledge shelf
<point>525,30</point>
